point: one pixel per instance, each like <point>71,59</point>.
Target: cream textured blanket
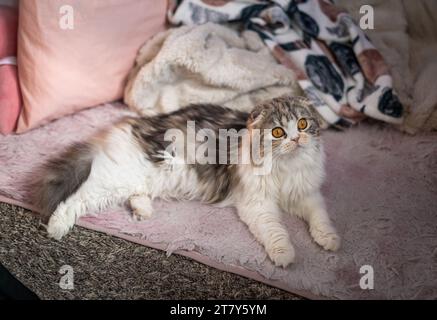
<point>205,64</point>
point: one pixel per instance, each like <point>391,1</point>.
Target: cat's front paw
<point>282,256</point>
<point>326,237</point>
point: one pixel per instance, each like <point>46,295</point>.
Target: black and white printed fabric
<point>336,64</point>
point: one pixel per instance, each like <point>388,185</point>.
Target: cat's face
<point>291,124</point>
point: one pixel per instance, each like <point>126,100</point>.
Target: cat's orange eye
<point>278,132</point>
<point>302,124</point>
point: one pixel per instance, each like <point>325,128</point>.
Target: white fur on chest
<point>300,175</point>
<point>290,179</point>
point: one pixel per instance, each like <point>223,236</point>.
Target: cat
<point>129,163</point>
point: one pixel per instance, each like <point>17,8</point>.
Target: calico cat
<point>129,163</point>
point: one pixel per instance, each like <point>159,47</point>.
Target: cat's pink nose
<point>295,139</point>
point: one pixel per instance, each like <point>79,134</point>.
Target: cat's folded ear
<point>257,115</point>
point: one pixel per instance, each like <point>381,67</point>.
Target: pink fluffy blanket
<point>380,191</point>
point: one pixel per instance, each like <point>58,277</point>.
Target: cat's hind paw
<point>140,215</point>
<point>59,225</point>
<point>141,206</point>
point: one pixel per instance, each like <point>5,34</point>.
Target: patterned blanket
<point>334,61</point>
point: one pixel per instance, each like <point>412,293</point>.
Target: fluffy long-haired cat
<point>127,163</point>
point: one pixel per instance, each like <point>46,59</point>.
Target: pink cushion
<point>9,89</point>
<point>64,70</point>
<point>9,98</point>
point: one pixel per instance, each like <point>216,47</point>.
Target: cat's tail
<point>61,177</point>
